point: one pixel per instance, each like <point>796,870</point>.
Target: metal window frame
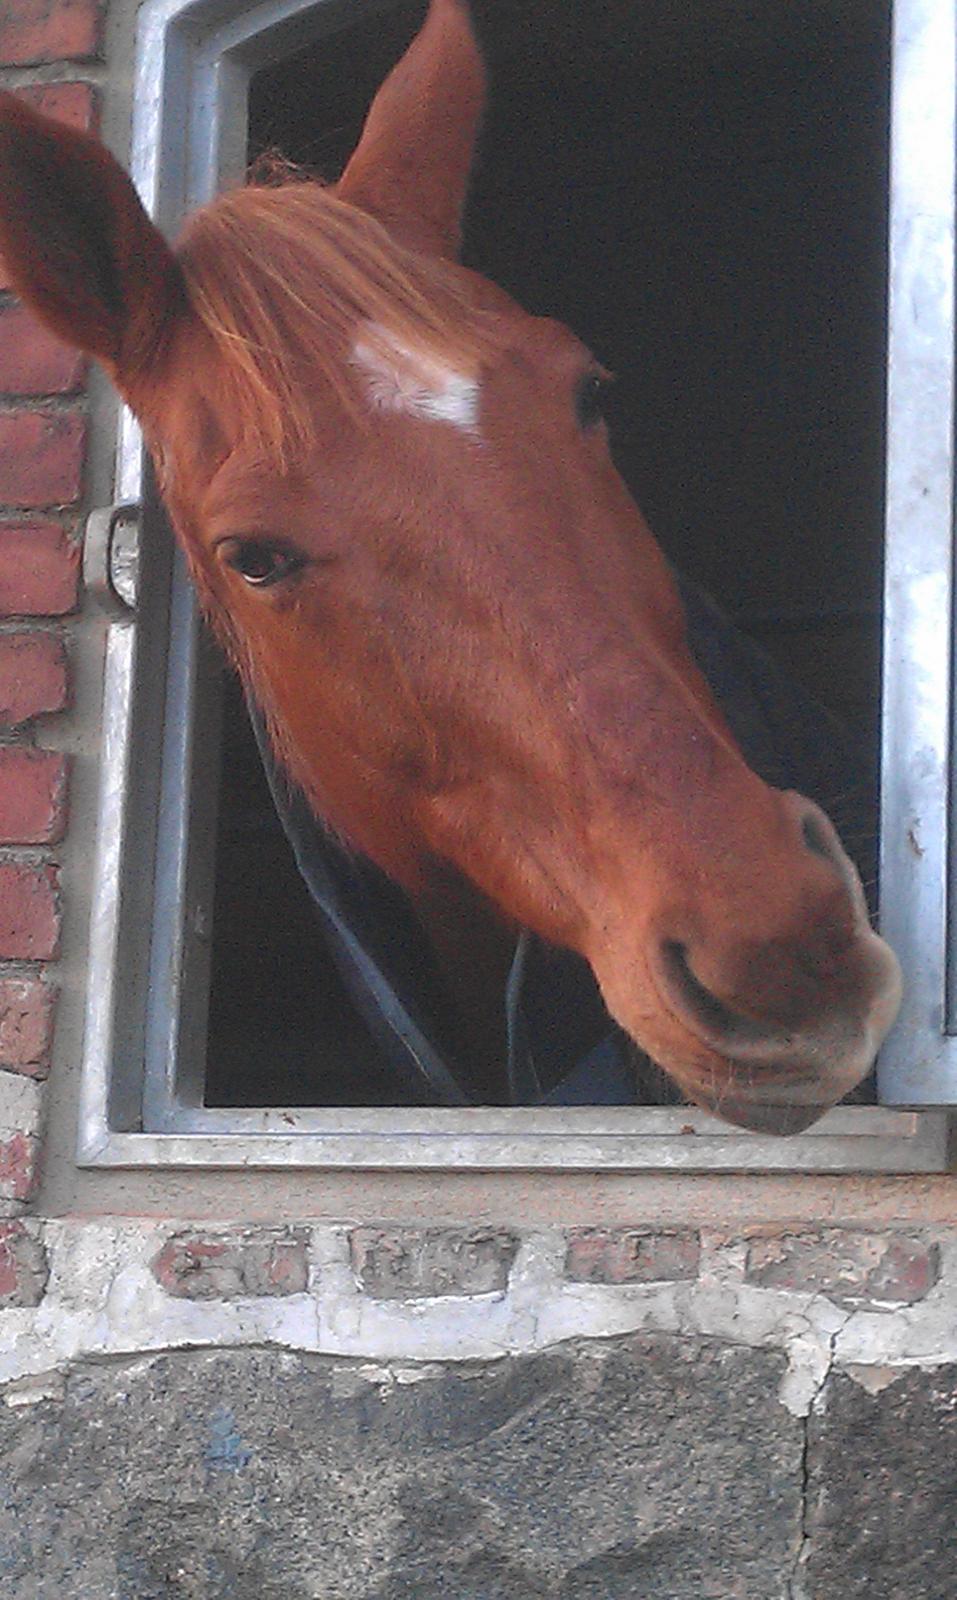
<point>141,1099</point>
<point>919,1062</point>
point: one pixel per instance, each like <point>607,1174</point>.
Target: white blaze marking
<point>414,384</point>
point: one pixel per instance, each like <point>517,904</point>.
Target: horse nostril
<point>815,838</point>
<point>714,1020</point>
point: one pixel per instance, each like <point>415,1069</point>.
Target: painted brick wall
<point>49,50</point>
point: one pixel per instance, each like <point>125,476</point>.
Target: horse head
<point>395,494</point>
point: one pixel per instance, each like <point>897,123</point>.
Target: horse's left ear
<point>411,166</point>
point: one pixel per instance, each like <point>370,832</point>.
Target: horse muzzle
<point>776,1077</point>
<point>765,1009</point>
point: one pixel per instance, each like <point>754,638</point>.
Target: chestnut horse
<point>395,494</point>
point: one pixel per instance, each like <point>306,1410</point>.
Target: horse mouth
<point>713,1021</point>
<point>759,1075</point>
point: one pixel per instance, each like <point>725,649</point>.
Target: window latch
<point>111,557</point>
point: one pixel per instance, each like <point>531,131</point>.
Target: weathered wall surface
<point>563,1473</point>
<point>48,51</point>
<point>386,1413</point>
<point>745,1404</point>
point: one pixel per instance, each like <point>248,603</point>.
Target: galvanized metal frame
<point>919,1063</point>
<point>141,1098</point>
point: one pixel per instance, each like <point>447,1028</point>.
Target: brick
<point>41,457</point>
<point>27,1007</point>
<point>849,1267</point>
<point>19,1160</point>
<point>33,31</point>
<point>74,104</point>
<point>233,1266</point>
<point>24,1269</point>
<point>33,676</point>
<point>32,361</point>
<point>32,795</point>
<point>29,912</point>
<point>420,1263</point>
<point>39,573</point>
<point>632,1255</point>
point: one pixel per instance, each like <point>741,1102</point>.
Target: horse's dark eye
<point>590,399</point>
<point>262,561</point>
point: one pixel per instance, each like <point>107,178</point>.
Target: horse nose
<point>818,837</point>
<point>763,989</point>
<point>717,1023</point>
<point>792,968</point>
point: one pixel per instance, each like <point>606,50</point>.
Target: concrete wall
<point>376,1386</point>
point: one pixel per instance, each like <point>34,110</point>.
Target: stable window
<point>703,194</point>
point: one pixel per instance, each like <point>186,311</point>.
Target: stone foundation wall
<point>394,1413</point>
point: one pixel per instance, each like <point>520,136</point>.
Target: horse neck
<point>473,946</point>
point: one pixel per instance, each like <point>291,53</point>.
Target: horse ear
<point>411,166</point>
<point>80,250</point>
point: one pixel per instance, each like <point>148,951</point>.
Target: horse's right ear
<point>80,250</point>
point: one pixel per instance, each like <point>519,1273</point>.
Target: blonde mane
<point>285,278</point>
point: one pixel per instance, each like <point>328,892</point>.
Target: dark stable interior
<point>698,188</point>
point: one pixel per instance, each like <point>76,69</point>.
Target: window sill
<point>848,1139</point>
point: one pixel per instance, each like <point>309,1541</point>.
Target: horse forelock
<point>287,280</point>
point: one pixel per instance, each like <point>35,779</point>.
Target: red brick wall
<point>43,432</point>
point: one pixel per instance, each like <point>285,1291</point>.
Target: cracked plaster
<point>21,1104</point>
<point>103,1300</point>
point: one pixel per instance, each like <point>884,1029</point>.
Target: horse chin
<point>765,1099</point>
<point>783,1119</point>
<point>784,1102</point>
<point>784,1096</point>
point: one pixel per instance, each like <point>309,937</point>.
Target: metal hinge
<point>111,557</point>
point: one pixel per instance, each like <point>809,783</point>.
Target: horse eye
<point>261,561</point>
<point>590,398</point>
